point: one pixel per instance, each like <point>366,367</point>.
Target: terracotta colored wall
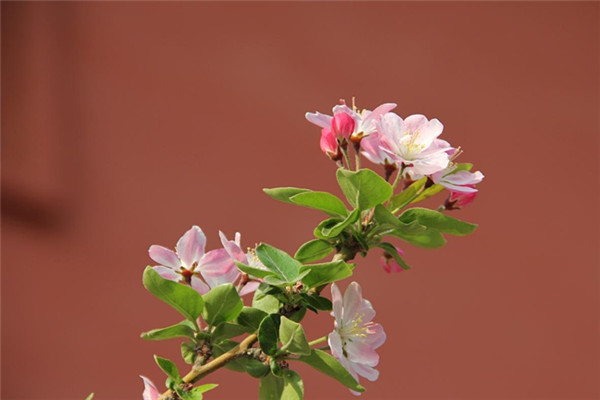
<point>125,123</point>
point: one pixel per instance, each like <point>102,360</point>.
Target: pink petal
<point>164,256</point>
<point>366,371</point>
<point>376,336</point>
<point>198,285</point>
<point>352,302</point>
<point>322,120</point>
<point>362,353</point>
<point>233,248</point>
<point>329,144</point>
<point>150,391</point>
<point>167,273</point>
<point>372,147</point>
<point>249,288</point>
<point>190,247</point>
<point>336,300</point>
<point>217,268</point>
<point>342,125</point>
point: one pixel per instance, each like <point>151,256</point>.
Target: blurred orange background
<point>124,123</point>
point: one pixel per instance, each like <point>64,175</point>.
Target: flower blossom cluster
<point>355,337</point>
<point>410,145</point>
<point>192,265</point>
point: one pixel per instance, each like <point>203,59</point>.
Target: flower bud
<point>342,125</point>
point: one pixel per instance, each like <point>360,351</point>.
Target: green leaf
<point>182,298</point>
<point>227,330</point>
<point>298,315</point>
<point>278,261</point>
<point>168,367</point>
<point>238,365</point>
<point>268,334</point>
<point>293,388</point>
<point>326,224</point>
<point>317,302</point>
<point>287,387</point>
<point>265,302</point>
<point>292,337</point>
<point>284,193</point>
<point>428,239</point>
<point>406,196</point>
<point>427,193</point>
<point>386,218</point>
<point>328,365</point>
<point>323,201</point>
<point>393,252</point>
<point>221,304</point>
<point>252,271</point>
<point>436,220</point>
<point>270,388</point>
<point>181,329</point>
<point>364,188</point>
<point>256,369</point>
<point>251,317</point>
<point>197,392</point>
<point>188,352</point>
<point>335,230</point>
<point>90,396</point>
<point>313,250</point>
<point>321,274</point>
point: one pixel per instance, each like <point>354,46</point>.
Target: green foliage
<point>278,261</point>
<point>335,230</point>
<point>323,201</point>
<point>391,250</point>
<point>221,304</point>
<point>251,317</point>
<point>227,330</point>
<point>284,193</point>
<point>316,302</point>
<point>264,301</point>
<point>293,338</point>
<point>406,196</point>
<point>438,221</point>
<point>313,250</point>
<point>328,365</point>
<point>90,396</point>
<point>268,334</point>
<point>182,298</point>
<point>364,189</point>
<point>429,238</point>
<point>287,387</point>
<point>429,192</point>
<point>197,392</point>
<point>168,368</point>
<point>182,329</point>
<point>321,274</point>
<point>388,220</point>
<point>188,352</point>
<point>252,271</point>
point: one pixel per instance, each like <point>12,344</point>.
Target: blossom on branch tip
<point>189,264</point>
<point>150,391</point>
<point>234,249</point>
<point>388,263</point>
<point>457,181</point>
<point>355,338</point>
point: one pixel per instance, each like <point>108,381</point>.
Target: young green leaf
<point>393,252</point>
<point>313,250</point>
<point>427,193</point>
<point>335,230</point>
<point>293,388</point>
<point>182,298</point>
<point>278,261</point>
<point>251,317</point>
<point>181,329</point>
<point>328,365</point>
<point>384,217</point>
<point>227,330</point>
<point>270,388</point>
<point>221,304</point>
<point>197,392</point>
<point>292,337</point>
<point>265,302</point>
<point>188,352</point>
<point>252,271</point>
<point>268,334</point>
<point>428,239</point>
<point>364,189</point>
<point>321,274</point>
<point>284,193</point>
<point>406,196</point>
<point>168,367</point>
<point>317,302</point>
<point>326,224</point>
<point>436,220</point>
<point>323,201</point>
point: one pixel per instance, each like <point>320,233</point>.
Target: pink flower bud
<point>342,125</point>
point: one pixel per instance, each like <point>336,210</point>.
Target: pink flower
<point>457,181</point>
<point>458,200</point>
<point>150,391</point>
<point>355,338</point>
<point>388,263</point>
<point>235,251</point>
<point>189,264</point>
<point>413,143</point>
